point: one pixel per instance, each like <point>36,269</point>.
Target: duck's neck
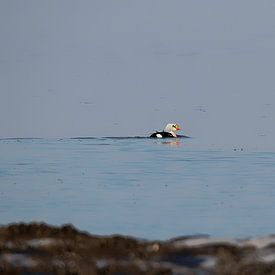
<point>173,133</point>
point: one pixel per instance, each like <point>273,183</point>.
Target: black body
<point>163,134</point>
<point>166,135</point>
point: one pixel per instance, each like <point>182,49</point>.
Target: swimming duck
<point>168,132</point>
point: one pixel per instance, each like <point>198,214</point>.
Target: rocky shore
<point>38,248</point>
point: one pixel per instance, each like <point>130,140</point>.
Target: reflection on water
<point>171,142</point>
<point>143,187</point>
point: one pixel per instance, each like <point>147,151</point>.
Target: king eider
<point>168,132</point>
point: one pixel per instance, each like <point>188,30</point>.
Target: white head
<point>172,127</point>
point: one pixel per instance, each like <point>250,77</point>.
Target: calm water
<point>141,187</point>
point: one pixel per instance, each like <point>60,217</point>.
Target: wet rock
<point>38,248</point>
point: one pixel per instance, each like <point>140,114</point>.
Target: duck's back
<point>162,135</point>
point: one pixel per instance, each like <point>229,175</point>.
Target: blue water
<point>142,187</point>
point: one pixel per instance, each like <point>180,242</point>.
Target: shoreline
<point>33,248</point>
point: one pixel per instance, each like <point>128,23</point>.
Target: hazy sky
<point>101,68</point>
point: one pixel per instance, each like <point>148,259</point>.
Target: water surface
<point>137,186</point>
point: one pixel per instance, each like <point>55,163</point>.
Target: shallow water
<point>137,186</point>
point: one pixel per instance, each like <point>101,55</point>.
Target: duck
<point>168,132</point>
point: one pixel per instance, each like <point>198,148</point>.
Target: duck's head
<point>172,127</point>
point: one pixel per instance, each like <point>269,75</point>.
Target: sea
<point>142,187</point>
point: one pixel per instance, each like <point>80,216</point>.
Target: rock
<point>38,248</point>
